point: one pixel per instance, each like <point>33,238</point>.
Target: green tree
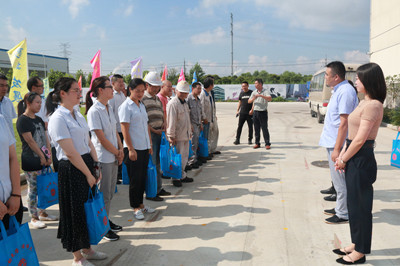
<point>79,74</point>
<point>33,73</point>
<point>127,78</point>
<point>173,75</point>
<point>54,76</point>
<point>88,80</point>
<point>9,76</point>
<point>199,73</point>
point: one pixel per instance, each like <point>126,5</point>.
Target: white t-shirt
<point>6,140</point>
<point>8,111</point>
<point>62,125</point>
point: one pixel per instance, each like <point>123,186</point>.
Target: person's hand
<point>132,155</point>
<point>205,121</point>
<point>339,166</point>
<point>151,151</point>
<point>13,205</point>
<point>237,112</point>
<point>120,156</point>
<point>3,210</point>
<point>172,141</point>
<point>251,112</point>
<point>334,155</point>
<point>43,161</point>
<point>48,161</point>
<point>91,180</point>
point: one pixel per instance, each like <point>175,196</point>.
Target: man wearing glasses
<point>6,106</point>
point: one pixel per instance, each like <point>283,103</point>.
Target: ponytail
<point>89,101</point>
<point>99,82</point>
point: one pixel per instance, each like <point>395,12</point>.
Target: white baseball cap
<point>183,86</point>
<point>153,79</point>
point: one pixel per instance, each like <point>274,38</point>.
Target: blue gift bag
<point>151,181</point>
<point>47,188</point>
<point>395,156</point>
<point>164,147</point>
<point>203,146</point>
<point>175,164</point>
<point>96,216</point>
<point>190,149</point>
<point>16,245</point>
<point>125,176</point>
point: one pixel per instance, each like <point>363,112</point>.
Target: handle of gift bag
<point>398,134</point>
<point>150,164</point>
<point>96,190</point>
<point>13,224</point>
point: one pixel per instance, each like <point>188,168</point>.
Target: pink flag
<point>80,82</point>
<point>181,76</point>
<point>95,62</point>
<point>164,74</point>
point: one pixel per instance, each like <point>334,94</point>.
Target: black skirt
<point>73,191</point>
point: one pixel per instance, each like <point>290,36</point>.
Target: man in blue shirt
<point>342,102</point>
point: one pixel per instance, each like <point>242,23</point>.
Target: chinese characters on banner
<point>46,87</point>
<point>19,63</point>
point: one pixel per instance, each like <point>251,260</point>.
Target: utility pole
<point>65,52</point>
<point>231,44</point>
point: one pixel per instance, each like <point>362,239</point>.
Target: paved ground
<point>248,207</point>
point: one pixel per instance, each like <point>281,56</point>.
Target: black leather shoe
<point>188,168</point>
<point>156,198</point>
<point>216,153</point>
<point>209,158</point>
<point>330,190</point>
<point>199,163</point>
<point>202,159</point>
<point>236,142</point>
<point>177,183</point>
<point>163,193</point>
<point>359,261</point>
<point>250,142</point>
<point>339,252</point>
<point>194,166</point>
<point>25,209</point>
<point>330,197</point>
<point>187,180</point>
<point>336,220</point>
<point>330,212</point>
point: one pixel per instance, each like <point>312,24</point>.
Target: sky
<point>271,35</point>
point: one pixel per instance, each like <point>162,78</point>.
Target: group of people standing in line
<point>349,134</point>
<point>122,126</point>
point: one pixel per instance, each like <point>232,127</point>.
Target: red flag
<point>181,76</point>
<point>164,74</point>
<point>80,82</point>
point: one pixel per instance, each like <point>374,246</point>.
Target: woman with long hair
<point>137,144</point>
<point>35,153</point>
<point>77,157</point>
<point>358,160</point>
<point>105,138</point>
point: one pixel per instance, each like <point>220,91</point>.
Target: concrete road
<point>248,207</point>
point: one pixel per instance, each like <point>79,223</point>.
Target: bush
<point>279,99</point>
<point>395,119</point>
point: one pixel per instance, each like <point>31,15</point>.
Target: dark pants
<point>260,119</point>
<point>242,119</point>
<point>54,159</point>
<point>120,166</point>
<point>18,215</point>
<point>361,172</point>
<point>137,172</point>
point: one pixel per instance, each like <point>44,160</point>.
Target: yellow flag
<point>19,62</point>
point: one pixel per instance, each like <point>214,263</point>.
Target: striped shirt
<point>154,109</point>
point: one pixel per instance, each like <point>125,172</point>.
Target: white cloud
<point>118,68</point>
<point>356,56</point>
<point>209,37</point>
<point>74,6</point>
<point>128,11</point>
<point>93,28</point>
<point>15,34</point>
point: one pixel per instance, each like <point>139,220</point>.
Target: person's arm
<point>252,98</point>
<point>238,108</point>
<point>34,147</point>
<point>151,142</point>
<point>14,201</point>
<point>120,149</point>
<point>128,141</point>
<point>342,133</point>
<point>48,146</point>
<point>75,158</point>
<point>171,124</point>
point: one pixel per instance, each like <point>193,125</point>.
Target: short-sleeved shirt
<point>343,101</point>
<point>371,110</point>
<point>99,118</point>
<point>43,112</point>
<point>164,101</point>
<point>36,126</point>
<point>136,116</point>
<point>8,111</point>
<point>6,141</point>
<point>195,109</point>
<point>260,104</point>
<point>154,109</point>
<point>245,106</point>
<point>115,103</point>
<point>62,125</point>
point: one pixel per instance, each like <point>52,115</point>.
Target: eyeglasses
<point>76,90</point>
<point>3,85</point>
<point>39,86</point>
<point>108,87</point>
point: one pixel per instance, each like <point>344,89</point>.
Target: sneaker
<point>47,217</point>
<point>236,142</point>
<point>268,147</point>
<point>330,190</point>
<point>82,262</point>
<point>187,180</point>
<point>94,255</point>
<point>256,146</point>
<point>330,197</point>
<point>330,212</point>
<point>156,198</point>
<point>336,220</point>
<point>138,214</point>
<point>114,227</point>
<point>177,182</point>
<point>111,236</point>
<point>147,209</point>
<point>163,193</point>
<point>37,224</point>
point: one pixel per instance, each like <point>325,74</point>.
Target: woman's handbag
<point>16,245</point>
<point>47,188</point>
<point>175,164</point>
<point>96,216</point>
<point>395,156</point>
<point>151,181</point>
<point>164,147</point>
<point>203,146</point>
